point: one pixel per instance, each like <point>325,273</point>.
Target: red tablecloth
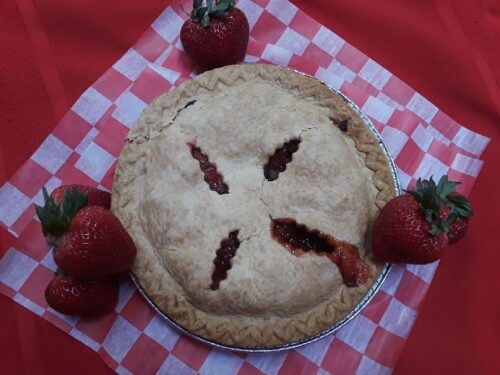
<point>448,50</point>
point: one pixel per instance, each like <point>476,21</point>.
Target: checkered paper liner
<point>84,148</point>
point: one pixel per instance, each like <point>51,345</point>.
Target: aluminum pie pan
<point>354,312</point>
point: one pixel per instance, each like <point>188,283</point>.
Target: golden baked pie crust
<point>154,273</point>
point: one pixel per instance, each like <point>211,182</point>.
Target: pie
<point>250,193</point>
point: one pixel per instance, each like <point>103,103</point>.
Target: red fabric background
<point>448,50</point>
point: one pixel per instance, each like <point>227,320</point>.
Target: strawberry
<point>216,34</point>
<point>412,228</point>
<point>455,209</point>
<point>95,197</point>
<point>72,296</point>
<point>401,234</point>
<point>88,241</point>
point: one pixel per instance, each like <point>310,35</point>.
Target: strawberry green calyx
<point>432,197</point>
<point>56,218</point>
<point>460,206</point>
<point>426,193</point>
<point>212,8</point>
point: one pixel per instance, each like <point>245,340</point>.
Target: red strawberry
<point>216,34</point>
<point>414,228</point>
<point>456,210</point>
<point>95,197</point>
<point>401,234</point>
<point>71,296</point>
<point>89,241</point>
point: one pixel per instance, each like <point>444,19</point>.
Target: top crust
<point>336,183</point>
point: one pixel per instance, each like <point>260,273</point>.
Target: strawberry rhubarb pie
<point>250,193</point>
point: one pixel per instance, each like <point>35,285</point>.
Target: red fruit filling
<point>341,124</point>
<point>212,177</point>
<point>298,239</point>
<point>281,157</point>
<point>222,262</point>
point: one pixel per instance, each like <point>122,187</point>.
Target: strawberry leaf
<point>426,193</point>
<point>56,218</point>
<point>447,196</point>
<point>446,187</point>
<point>73,200</point>
<point>203,14</point>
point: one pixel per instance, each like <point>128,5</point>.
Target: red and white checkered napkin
<point>84,148</point>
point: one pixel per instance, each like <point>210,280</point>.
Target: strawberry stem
<point>203,13</point>
<point>56,218</point>
<point>432,197</point>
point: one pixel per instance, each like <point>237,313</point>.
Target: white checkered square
<point>422,107</point>
<point>467,165</point>
<point>29,304</point>
<point>378,110</point>
<point>168,25</point>
<point>71,320</point>
<point>431,166</point>
<point>95,162</point>
<point>422,137</point>
<point>398,318</point>
<point>178,45</point>
<point>393,278</point>
<point>282,10</point>
<point>221,362</point>
<point>120,339</point>
<point>473,142</point>
<point>276,55</point>
<point>85,142</point>
<point>13,203</point>
<point>128,109</point>
<point>341,70</point>
<point>316,351</point>
<point>161,59</point>
<point>293,41</point>
<point>15,268</point>
<point>329,78</point>
<point>51,154</point>
<point>268,363</point>
<point>169,74</point>
<point>131,64</point>
<point>328,41</point>
<point>436,134</point>
<point>252,11</point>
<point>48,261</point>
<point>389,101</point>
<point>251,59</point>
<point>172,365</point>
<point>322,371</point>
<point>357,333</point>
<point>127,288</point>
<point>375,74</point>
<point>80,336</point>
<point>162,332</point>
<point>368,366</point>
<point>122,371</point>
<point>394,140</point>
<point>404,179</point>
<point>425,272</point>
<point>51,184</point>
<point>91,105</point>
